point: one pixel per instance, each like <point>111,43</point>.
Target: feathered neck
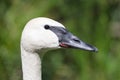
<point>31,65</point>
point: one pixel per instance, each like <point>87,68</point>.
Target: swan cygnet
<point>43,34</point>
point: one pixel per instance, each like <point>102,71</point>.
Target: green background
<point>94,21</point>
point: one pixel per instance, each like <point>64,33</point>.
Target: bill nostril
<point>76,40</point>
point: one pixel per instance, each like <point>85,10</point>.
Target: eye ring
<point>47,27</point>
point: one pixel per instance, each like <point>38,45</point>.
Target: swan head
<point>44,33</point>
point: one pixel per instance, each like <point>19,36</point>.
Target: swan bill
<point>68,40</point>
<point>74,42</point>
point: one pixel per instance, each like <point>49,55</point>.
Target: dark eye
<point>46,26</point>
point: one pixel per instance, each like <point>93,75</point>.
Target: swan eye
<point>46,26</point>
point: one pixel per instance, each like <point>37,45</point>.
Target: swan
<point>40,35</point>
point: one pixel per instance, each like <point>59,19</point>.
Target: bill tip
<point>95,50</point>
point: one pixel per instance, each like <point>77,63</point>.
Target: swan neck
<point>31,65</point>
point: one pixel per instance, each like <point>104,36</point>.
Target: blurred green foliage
<point>94,21</point>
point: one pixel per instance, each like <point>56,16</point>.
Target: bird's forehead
<point>45,21</point>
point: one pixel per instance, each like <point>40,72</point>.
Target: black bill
<point>71,41</point>
<point>68,40</point>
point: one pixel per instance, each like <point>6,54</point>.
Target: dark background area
<point>94,21</point>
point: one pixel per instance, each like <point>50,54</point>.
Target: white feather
<point>36,38</point>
